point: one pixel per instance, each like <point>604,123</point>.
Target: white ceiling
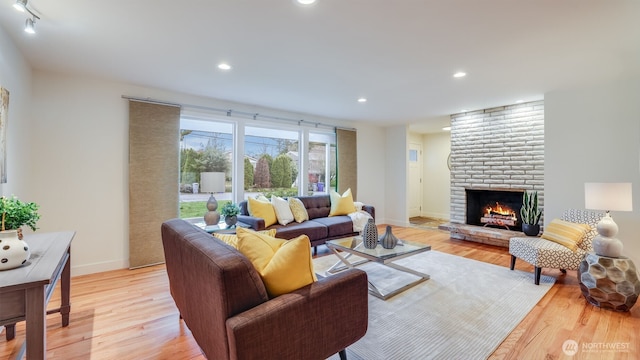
<point>399,54</point>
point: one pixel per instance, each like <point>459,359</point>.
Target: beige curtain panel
<point>347,148</point>
<point>154,132</point>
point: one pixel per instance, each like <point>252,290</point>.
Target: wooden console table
<point>26,290</point>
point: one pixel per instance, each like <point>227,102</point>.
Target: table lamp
<point>212,182</point>
<point>608,197</point>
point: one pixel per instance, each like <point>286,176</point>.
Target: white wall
<point>371,164</point>
<point>395,171</point>
<point>437,177</point>
<point>79,171</point>
<point>592,134</point>
<point>79,177</point>
<point>15,76</point>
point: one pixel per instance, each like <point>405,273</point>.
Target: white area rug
<point>464,311</point>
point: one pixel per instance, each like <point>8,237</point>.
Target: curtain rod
<point>231,112</point>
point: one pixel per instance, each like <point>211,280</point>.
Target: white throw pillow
<point>283,212</point>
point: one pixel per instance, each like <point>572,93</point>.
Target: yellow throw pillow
<point>341,205</point>
<point>284,265</point>
<point>300,213</point>
<point>232,239</point>
<point>566,233</point>
<point>262,210</point>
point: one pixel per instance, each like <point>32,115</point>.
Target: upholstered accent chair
<point>542,253</point>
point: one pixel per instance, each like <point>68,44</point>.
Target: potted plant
<point>14,214</point>
<point>530,214</point>
<point>230,212</point>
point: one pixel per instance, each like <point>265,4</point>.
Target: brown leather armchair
<point>221,298</point>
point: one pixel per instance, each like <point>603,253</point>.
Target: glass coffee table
<point>353,246</point>
<point>221,228</point>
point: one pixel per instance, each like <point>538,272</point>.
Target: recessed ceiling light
<point>362,100</point>
<point>447,128</point>
<point>519,101</point>
<point>224,66</point>
<point>464,110</point>
<point>459,74</point>
<point>306,2</point>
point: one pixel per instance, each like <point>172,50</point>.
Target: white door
<point>415,179</point>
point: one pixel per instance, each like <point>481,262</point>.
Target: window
<point>274,162</point>
<point>206,164</point>
<point>413,155</point>
<point>321,170</point>
<point>271,162</point>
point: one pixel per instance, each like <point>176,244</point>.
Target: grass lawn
<point>191,209</point>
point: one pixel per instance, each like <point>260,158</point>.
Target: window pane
<point>322,163</point>
<point>413,155</point>
<point>271,161</point>
<point>206,158</point>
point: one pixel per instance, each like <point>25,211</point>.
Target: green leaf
<point>16,214</point>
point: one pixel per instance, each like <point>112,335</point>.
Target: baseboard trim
<point>442,216</point>
<point>85,269</point>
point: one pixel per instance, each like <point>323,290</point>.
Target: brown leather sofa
<point>320,226</point>
<point>223,301</point>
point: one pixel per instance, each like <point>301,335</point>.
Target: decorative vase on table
<point>13,251</point>
<point>388,240</point>
<point>370,234</point>
<point>230,220</point>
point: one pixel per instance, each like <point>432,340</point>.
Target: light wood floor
<point>129,314</point>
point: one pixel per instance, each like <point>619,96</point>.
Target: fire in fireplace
<point>494,208</point>
<point>500,216</point>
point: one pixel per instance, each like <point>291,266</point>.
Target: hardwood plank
<point>129,314</point>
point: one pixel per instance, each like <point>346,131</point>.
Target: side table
<point>26,290</point>
<point>609,283</point>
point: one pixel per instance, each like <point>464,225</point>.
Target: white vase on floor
<point>13,251</point>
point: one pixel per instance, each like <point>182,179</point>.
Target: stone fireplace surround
<point>496,149</point>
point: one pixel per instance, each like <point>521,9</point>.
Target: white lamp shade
<point>608,196</point>
<point>212,182</point>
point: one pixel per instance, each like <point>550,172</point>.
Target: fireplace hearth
<point>494,208</point>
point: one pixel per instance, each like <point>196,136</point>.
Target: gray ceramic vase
<point>370,234</point>
<point>388,240</point>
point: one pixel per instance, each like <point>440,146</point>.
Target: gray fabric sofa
<point>223,301</point>
<point>320,226</point>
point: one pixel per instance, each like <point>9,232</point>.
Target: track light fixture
<point>21,5</point>
<point>29,25</point>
